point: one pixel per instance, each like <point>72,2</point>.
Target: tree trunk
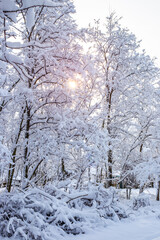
<point>128,193</point>
<point>141,189</point>
<point>106,182</point>
<point>26,162</point>
<point>110,155</point>
<point>63,174</point>
<point>89,174</point>
<point>110,175</point>
<point>10,176</point>
<point>79,181</point>
<point>97,174</point>
<point>101,175</point>
<point>158,191</point>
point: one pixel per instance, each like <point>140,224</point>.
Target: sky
<point>141,17</point>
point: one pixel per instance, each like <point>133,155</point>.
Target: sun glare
<point>72,84</point>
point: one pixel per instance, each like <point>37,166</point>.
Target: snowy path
<point>146,228</point>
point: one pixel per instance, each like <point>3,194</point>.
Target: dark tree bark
<point>158,191</point>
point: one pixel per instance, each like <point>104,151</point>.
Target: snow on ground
<point>143,224</point>
<point>143,228</point>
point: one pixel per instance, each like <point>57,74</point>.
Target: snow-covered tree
<point>52,126</point>
<point>126,75</point>
<point>39,45</point>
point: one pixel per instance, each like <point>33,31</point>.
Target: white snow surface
<point>142,225</point>
<point>143,228</point>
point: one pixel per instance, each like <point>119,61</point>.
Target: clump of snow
<point>5,156</point>
<point>3,92</point>
<point>30,18</point>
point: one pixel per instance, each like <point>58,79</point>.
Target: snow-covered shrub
<point>141,201</point>
<point>37,215</point>
<point>105,201</point>
<point>52,213</point>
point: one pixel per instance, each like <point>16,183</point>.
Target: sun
<point>72,84</point>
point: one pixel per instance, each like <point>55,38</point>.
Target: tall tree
<point>126,77</point>
<point>44,55</point>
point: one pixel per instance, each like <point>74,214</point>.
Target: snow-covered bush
<point>141,201</point>
<point>36,215</point>
<point>44,215</point>
<point>105,201</point>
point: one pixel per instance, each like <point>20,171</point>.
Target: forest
<point>79,121</point>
